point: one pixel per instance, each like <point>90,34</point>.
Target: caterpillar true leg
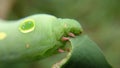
<point>65,38</point>
<point>71,34</point>
<point>61,50</point>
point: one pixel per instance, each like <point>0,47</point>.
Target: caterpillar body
<point>34,37</point>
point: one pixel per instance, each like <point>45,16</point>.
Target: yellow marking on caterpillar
<point>27,26</point>
<point>27,45</point>
<point>65,25</point>
<point>2,35</point>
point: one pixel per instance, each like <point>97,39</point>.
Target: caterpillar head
<point>71,25</point>
<point>62,27</point>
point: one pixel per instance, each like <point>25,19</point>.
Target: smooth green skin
<point>43,41</point>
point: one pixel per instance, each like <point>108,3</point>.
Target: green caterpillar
<point>34,37</point>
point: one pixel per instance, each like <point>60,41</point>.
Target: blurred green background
<point>99,18</point>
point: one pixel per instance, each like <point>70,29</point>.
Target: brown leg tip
<point>71,35</point>
<point>67,49</point>
<point>65,38</point>
<point>61,50</point>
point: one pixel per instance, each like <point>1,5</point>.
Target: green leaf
<point>84,54</point>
